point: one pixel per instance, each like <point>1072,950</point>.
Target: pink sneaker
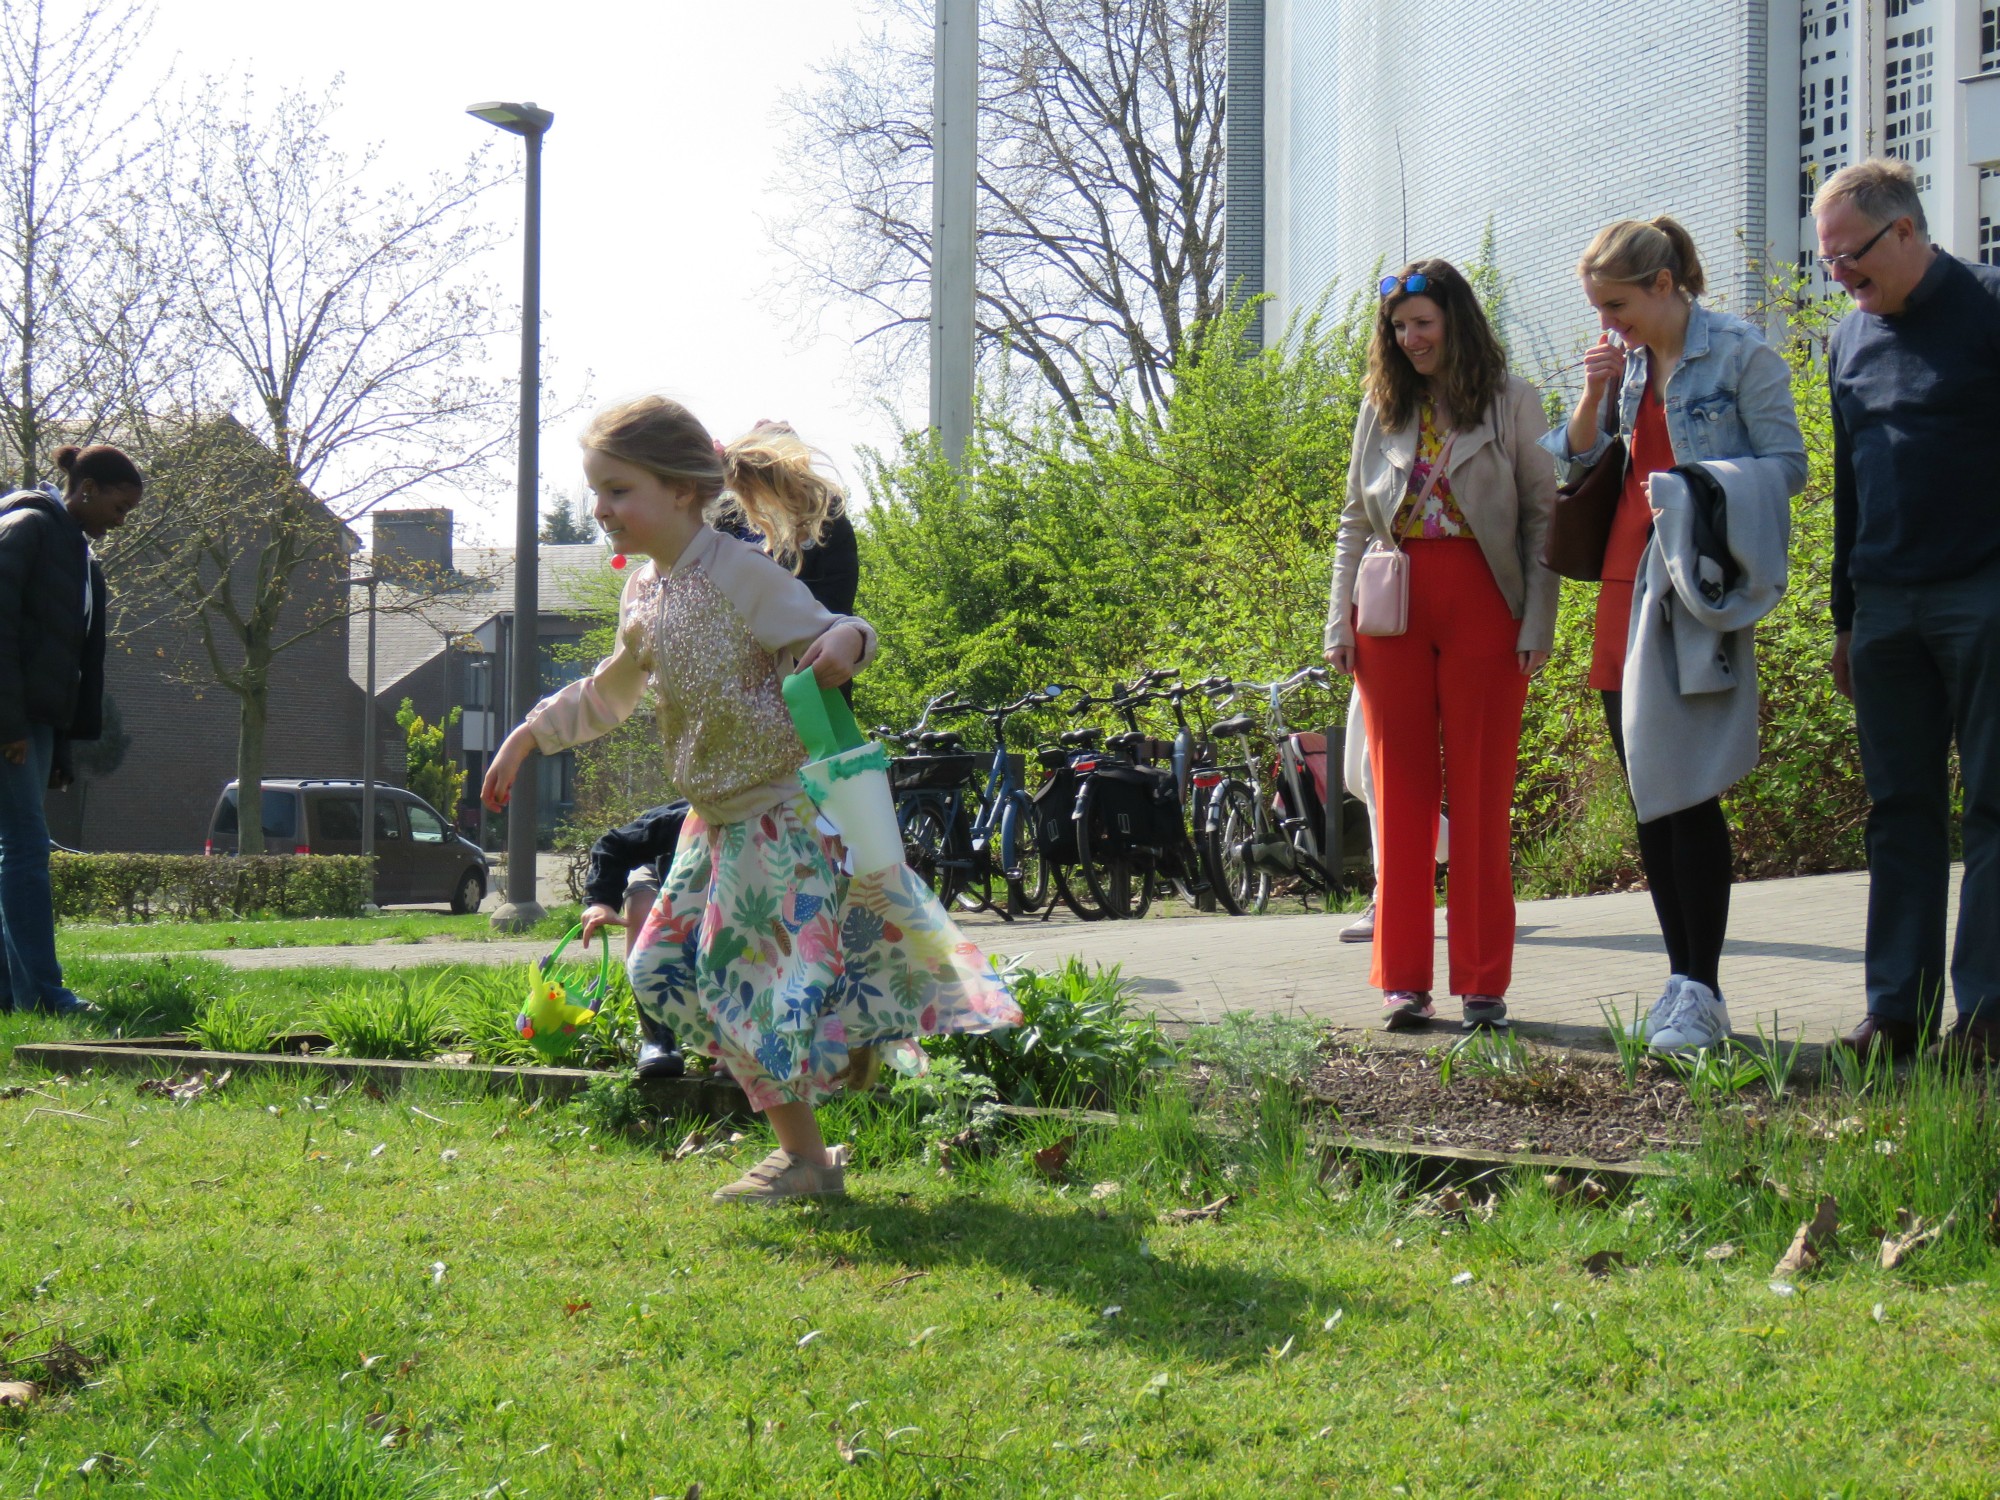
<point>1405,1010</point>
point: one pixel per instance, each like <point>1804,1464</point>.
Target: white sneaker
<point>1663,1008</point>
<point>1362,928</point>
<point>1700,1020</point>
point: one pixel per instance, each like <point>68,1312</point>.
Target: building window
<point>1989,39</point>
<point>1908,87</point>
<point>1989,215</point>
<point>1826,64</point>
<point>478,684</point>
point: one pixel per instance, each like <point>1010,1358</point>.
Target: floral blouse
<point>1440,516</point>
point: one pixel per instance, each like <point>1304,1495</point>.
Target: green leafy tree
<point>1204,540</point>
<point>432,774</point>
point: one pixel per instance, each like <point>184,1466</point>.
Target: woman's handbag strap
<point>1430,483</point>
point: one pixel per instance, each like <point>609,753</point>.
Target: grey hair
<point>1882,191</point>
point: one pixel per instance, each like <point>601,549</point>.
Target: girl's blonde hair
<point>1636,250</point>
<point>768,478</point>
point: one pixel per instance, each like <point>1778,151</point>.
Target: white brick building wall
<point>1545,121</point>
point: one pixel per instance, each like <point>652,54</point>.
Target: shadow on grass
<point>1097,1261</point>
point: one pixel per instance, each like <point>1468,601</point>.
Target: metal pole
<point>520,909</point>
<point>954,168</point>
<point>368,735</point>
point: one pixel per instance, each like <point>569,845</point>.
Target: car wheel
<point>470,892</point>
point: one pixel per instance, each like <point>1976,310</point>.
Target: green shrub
<point>428,770</point>
<point>235,1023</point>
<point>1255,1051</point>
<point>484,1006</point>
<point>404,1020</point>
<point>1203,541</point>
<point>196,888</point>
<point>614,1105</point>
<point>1079,1042</point>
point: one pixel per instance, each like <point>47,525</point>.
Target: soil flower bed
<point>1562,1107</point>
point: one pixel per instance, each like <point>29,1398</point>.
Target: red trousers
<point>1443,702</point>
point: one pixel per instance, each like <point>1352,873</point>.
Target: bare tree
<point>1100,188</point>
<point>345,330</point>
<point>88,302</point>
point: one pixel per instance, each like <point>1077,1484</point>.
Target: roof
<point>411,628</point>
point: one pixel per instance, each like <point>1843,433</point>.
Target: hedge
<point>197,888</point>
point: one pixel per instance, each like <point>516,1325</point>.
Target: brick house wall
<point>184,728</point>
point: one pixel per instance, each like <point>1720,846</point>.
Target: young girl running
<point>760,952</point>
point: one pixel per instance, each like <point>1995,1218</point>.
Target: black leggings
<point>1687,861</point>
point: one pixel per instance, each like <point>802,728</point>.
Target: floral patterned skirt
<point>762,954</point>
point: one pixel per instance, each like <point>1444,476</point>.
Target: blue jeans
<point>32,978</point>
<point>1926,663</point>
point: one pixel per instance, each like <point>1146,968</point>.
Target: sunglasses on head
<point>1414,284</point>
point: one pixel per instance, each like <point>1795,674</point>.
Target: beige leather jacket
<point>1502,481</point>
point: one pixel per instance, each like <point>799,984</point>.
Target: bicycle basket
<point>928,773</point>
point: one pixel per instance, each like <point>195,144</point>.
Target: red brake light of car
<point>301,849</point>
<point>208,846</point>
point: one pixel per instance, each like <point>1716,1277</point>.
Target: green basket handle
<point>603,987</point>
<point>824,721</point>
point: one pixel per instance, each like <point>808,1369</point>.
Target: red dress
<point>1652,451</point>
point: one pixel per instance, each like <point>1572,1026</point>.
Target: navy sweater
<point>1916,435</point>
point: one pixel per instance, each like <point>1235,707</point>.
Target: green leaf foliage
<point>431,771</point>
<point>1204,541</point>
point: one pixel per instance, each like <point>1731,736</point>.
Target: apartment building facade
<point>1363,134</point>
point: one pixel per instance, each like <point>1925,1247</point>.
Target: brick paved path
<point>1794,949</point>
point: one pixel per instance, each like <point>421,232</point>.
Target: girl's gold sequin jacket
<point>713,636</point>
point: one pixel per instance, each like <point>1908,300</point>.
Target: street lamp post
<point>954,208</point>
<point>520,910</point>
<point>368,724</point>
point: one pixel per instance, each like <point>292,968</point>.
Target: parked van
<point>419,857</point>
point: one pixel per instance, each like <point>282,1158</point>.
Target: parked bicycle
<point>1065,764</point>
<point>1132,830</point>
<point>977,847</point>
<point>1258,831</point>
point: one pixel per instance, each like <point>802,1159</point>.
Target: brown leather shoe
<point>1898,1039</point>
<point>1973,1042</point>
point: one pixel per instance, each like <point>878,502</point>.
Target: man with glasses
<point>1914,373</point>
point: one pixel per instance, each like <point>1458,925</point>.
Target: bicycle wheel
<point>1074,894</point>
<point>1241,885</point>
<point>1021,852</point>
<point>926,837</point>
<point>1120,880</point>
<point>981,886</point>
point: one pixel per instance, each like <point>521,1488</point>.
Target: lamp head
<point>518,119</point>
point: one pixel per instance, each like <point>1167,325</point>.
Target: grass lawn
<point>110,939</point>
<point>429,1295</point>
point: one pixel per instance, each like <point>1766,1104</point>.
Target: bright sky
<point>667,150</point>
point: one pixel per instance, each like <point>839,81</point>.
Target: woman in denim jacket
<point>1696,385</point>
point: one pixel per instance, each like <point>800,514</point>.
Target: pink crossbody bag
<point>1382,586</point>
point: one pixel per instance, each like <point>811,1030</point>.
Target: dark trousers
<point>1689,866</point>
<point>1926,663</point>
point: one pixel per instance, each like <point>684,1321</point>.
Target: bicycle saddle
<point>1080,739</point>
<point>1227,729</point>
<point>940,742</point>
<point>1131,740</point>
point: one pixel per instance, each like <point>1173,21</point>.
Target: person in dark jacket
<point>1913,373</point>
<point>625,869</point>
<point>52,608</point>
